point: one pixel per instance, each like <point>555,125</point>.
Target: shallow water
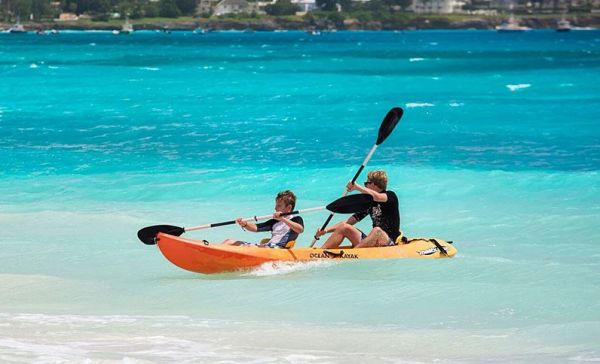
<point>498,151</point>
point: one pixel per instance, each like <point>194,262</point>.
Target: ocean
<point>498,151</point>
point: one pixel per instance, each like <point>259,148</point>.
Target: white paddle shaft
<point>254,218</point>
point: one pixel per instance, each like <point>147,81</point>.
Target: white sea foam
<point>518,86</point>
<point>418,104</point>
<point>81,167</point>
<point>143,127</point>
<point>150,68</point>
<point>142,339</point>
<point>67,146</point>
<point>103,126</point>
<point>491,336</point>
<point>33,65</point>
<point>455,104</point>
<point>416,59</point>
<point>281,268</point>
<point>42,352</point>
<point>586,357</point>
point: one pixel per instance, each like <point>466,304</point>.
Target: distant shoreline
<point>265,23</point>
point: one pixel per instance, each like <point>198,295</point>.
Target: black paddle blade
<point>389,123</point>
<point>148,234</point>
<point>351,204</point>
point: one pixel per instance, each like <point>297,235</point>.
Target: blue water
<point>498,150</point>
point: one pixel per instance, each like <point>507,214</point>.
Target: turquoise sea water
<point>498,150</point>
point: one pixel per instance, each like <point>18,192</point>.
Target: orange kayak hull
<point>208,258</point>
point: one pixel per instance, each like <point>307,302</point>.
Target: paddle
<point>387,126</point>
<point>344,205</point>
<point>351,204</point>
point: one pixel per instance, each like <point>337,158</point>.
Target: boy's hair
<point>379,179</point>
<point>287,197</point>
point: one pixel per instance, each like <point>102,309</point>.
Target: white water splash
<point>518,86</point>
<point>280,268</point>
<point>418,104</point>
<point>143,127</point>
<point>416,59</point>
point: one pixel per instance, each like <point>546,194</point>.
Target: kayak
<point>208,258</point>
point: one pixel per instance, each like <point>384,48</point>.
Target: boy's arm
<point>296,227</point>
<point>377,196</point>
<point>351,220</point>
<point>247,225</point>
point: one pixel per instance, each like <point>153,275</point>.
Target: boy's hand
<point>350,186</point>
<point>319,233</point>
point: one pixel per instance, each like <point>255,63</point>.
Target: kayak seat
<point>401,239</point>
<point>289,245</point>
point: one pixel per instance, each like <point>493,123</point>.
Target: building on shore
<point>206,6</point>
<point>437,6</point>
<point>305,5</point>
<point>234,7</point>
<point>67,17</point>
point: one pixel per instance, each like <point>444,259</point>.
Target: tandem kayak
<point>208,258</point>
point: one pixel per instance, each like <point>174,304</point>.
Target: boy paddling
<point>384,213</point>
<point>283,228</point>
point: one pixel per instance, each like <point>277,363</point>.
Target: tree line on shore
<point>386,11</point>
<point>102,10</point>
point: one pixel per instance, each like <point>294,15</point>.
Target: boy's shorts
<point>269,245</point>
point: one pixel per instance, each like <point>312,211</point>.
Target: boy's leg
<point>344,230</point>
<point>377,237</point>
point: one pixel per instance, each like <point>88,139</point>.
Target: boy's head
<point>285,201</point>
<point>379,179</point>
